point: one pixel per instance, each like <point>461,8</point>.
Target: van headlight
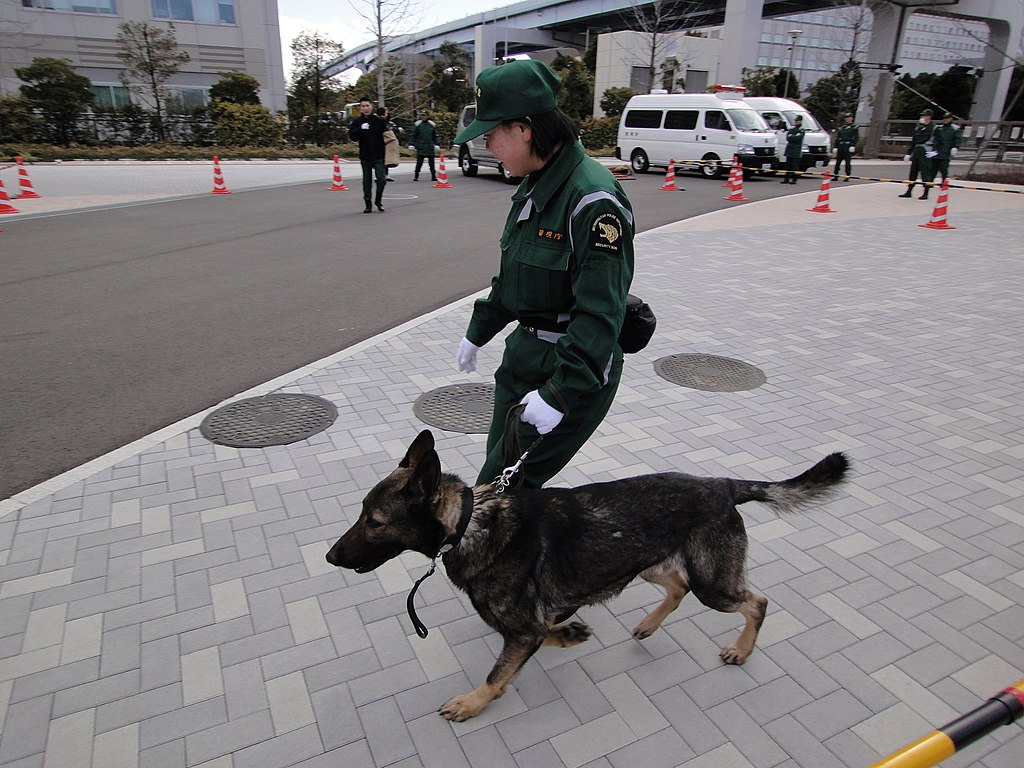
<point>745,149</point>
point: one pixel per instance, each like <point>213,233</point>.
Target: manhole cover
<point>710,373</point>
<point>269,420</point>
<point>457,408</point>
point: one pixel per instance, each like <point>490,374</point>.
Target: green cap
<point>927,112</point>
<point>517,89</point>
<point>947,115</point>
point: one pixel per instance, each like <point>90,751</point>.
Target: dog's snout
<point>334,555</point>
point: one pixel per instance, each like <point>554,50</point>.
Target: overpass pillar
<point>740,37</point>
<point>994,85</point>
<point>877,84</point>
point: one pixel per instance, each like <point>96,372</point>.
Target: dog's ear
<point>426,476</point>
<point>421,446</point>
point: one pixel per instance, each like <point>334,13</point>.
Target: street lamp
<point>794,34</point>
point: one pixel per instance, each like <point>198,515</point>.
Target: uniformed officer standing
<point>946,140</point>
<point>921,153</point>
<point>424,140</point>
<point>846,144</point>
<point>794,149</point>
<point>566,267</point>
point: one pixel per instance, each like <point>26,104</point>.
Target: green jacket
<point>921,141</point>
<point>566,262</point>
<point>847,137</point>
<point>795,142</point>
<point>424,137</point>
<point>945,138</point>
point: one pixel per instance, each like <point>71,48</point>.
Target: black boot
<point>367,209</point>
<point>909,192</point>
<point>924,196</point>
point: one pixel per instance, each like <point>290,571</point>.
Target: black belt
<point>533,324</point>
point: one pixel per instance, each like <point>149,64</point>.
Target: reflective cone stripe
<point>1002,709</point>
<point>5,201</point>
<point>442,177</point>
<point>219,187</point>
<point>731,180</point>
<point>337,184</point>
<point>670,178</point>
<point>24,183</point>
<point>737,181</point>
<point>822,206</point>
<point>938,220</point>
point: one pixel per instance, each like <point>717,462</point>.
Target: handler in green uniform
<point>846,144</point>
<point>566,267</point>
<point>946,140</point>
<point>424,139</point>
<point>794,149</point>
<point>920,154</point>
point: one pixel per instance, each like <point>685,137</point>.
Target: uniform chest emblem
<point>606,233</point>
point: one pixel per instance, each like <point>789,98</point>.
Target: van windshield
<point>747,120</point>
<point>809,122</point>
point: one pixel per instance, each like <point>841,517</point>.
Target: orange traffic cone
<point>732,172</point>
<point>219,187</point>
<point>670,178</point>
<point>5,201</point>
<point>938,220</point>
<point>337,185</point>
<point>24,183</point>
<point>822,205</point>
<point>442,177</point>
<point>737,182</point>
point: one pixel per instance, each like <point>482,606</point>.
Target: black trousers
<point>792,169</point>
<point>373,169</point>
<point>919,164</point>
<point>843,153</point>
<point>419,164</point>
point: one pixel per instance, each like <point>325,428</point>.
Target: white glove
<point>539,413</point>
<point>437,146</point>
<point>931,154</point>
<point>466,356</point>
<point>365,126</point>
<point>953,152</point>
<point>411,147</point>
<point>906,158</point>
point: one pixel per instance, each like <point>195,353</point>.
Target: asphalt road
<point>117,322</point>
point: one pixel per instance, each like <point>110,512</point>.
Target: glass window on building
<point>639,77</point>
<point>75,6</point>
<point>203,11</point>
<point>110,96</point>
<point>182,100</point>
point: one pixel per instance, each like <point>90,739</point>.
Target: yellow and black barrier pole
<point>1002,709</point>
<point>926,184</point>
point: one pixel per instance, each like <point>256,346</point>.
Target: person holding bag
<point>564,276</point>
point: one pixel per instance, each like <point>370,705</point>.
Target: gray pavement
<point>169,605</point>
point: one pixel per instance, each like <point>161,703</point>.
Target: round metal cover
<point>709,373</point>
<point>457,408</point>
<point>277,419</point>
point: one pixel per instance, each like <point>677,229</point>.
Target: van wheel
<point>711,166</point>
<point>639,161</point>
<point>469,168</point>
<point>508,177</point>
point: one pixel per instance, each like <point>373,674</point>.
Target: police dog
<point>529,558</point>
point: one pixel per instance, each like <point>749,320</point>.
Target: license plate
<point>766,166</point>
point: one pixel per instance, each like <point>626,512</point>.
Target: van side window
<point>774,120</point>
<point>643,118</point>
<point>716,120</point>
<point>469,116</point>
<point>681,119</point>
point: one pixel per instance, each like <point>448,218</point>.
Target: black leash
<point>446,546</point>
<point>510,448</point>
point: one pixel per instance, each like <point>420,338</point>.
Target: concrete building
<point>219,35</point>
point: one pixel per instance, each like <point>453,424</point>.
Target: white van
<point>700,131</point>
<point>780,114</point>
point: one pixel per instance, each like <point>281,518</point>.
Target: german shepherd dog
<point>529,558</point>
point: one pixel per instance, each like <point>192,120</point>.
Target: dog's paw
<point>463,707</point>
<point>733,655</point>
<point>568,635</point>
<point>646,628</point>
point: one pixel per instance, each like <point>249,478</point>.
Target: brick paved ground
<point>170,605</point>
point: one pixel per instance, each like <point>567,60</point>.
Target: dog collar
<point>446,546</point>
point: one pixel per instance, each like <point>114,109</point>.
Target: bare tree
<point>151,56</point>
<point>660,22</point>
<point>385,19</point>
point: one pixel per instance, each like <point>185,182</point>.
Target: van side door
<point>681,129</point>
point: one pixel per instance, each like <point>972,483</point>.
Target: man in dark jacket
<point>946,140</point>
<point>846,144</point>
<point>424,140</point>
<point>367,131</point>
<point>794,149</point>
<point>922,150</point>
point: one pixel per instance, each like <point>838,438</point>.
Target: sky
<point>338,20</point>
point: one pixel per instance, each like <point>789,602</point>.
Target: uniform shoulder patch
<point>606,233</point>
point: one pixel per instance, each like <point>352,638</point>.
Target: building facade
<point>218,35</point>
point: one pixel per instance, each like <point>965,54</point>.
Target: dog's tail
<point>815,484</point>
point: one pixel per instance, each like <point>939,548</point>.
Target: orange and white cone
<point>5,201</point>
<point>822,204</point>
<point>442,176</point>
<point>737,182</point>
<point>938,220</point>
<point>670,178</point>
<point>732,172</point>
<point>219,187</point>
<point>337,184</point>
<point>24,183</point>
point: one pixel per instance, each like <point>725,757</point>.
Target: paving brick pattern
<point>175,609</point>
